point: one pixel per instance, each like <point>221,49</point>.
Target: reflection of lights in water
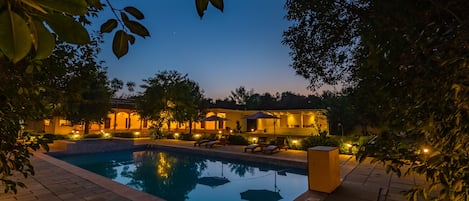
<point>163,166</point>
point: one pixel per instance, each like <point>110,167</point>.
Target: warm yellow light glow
<point>349,145</point>
<point>252,129</point>
<point>425,151</point>
<point>107,135</point>
<point>176,135</point>
<point>254,140</point>
<point>137,133</point>
<point>197,136</point>
<point>76,136</point>
<point>163,166</point>
<point>231,131</point>
<point>219,132</point>
<point>295,141</point>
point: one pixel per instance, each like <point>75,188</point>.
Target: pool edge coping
<point>106,183</point>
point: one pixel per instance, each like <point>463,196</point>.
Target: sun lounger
<point>270,149</point>
<point>253,147</point>
<point>222,141</point>
<point>261,144</point>
<point>279,144</point>
<point>200,142</point>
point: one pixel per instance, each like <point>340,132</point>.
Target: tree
<point>409,61</point>
<point>170,96</point>
<point>241,96</point>
<point>83,93</point>
<point>24,25</point>
<point>116,85</point>
<point>27,37</point>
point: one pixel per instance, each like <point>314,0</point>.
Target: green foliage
<point>124,134</point>
<point>238,140</point>
<point>170,96</point>
<point>186,136</point>
<point>321,140</point>
<point>201,5</point>
<point>93,136</point>
<point>408,65</point>
<point>80,84</point>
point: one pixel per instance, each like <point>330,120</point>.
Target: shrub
<point>124,134</point>
<point>238,140</point>
<point>93,136</point>
<point>322,140</point>
<point>186,136</point>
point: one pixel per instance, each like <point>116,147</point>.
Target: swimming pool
<point>177,176</point>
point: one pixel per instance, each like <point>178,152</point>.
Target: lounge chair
<point>222,141</point>
<point>262,142</point>
<point>279,144</point>
<point>200,142</point>
<point>270,149</point>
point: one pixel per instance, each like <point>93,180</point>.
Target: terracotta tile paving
<point>57,180</point>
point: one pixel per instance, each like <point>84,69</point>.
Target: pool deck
<point>57,180</point>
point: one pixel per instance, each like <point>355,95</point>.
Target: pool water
<point>176,176</point>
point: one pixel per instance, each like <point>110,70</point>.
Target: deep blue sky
<point>239,47</point>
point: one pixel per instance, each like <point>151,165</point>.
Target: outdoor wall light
<point>252,129</point>
<point>231,131</point>
<point>426,150</point>
<point>254,140</point>
<point>294,141</point>
<point>176,135</point>
<point>219,132</point>
<point>137,133</point>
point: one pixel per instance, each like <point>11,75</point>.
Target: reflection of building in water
<point>124,118</point>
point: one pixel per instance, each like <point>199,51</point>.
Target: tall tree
<point>170,96</point>
<point>409,61</point>
<point>241,96</point>
<point>83,90</point>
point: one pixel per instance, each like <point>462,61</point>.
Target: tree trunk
<point>87,127</point>
<point>190,126</point>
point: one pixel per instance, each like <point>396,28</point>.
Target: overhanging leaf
<point>201,6</point>
<point>131,39</point>
<point>134,12</point>
<point>34,5</point>
<point>120,44</point>
<point>43,40</point>
<point>217,4</point>
<point>137,28</point>
<point>108,26</point>
<point>68,29</point>
<point>73,7</point>
<point>15,41</point>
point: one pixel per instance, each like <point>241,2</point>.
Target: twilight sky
<point>239,47</point>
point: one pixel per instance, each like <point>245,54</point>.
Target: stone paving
<point>57,180</point>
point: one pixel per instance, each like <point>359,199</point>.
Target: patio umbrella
<point>213,181</point>
<point>260,195</point>
<point>262,115</point>
<point>214,118</point>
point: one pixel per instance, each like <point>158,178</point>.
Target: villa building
<point>123,118</point>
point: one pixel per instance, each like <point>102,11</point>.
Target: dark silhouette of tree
<point>407,62</point>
